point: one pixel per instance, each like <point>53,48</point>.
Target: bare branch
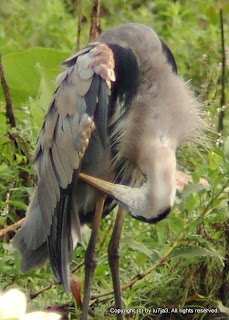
<point>33,295</point>
<point>95,29</point>
<point>77,266</point>
<point>79,25</point>
<point>223,76</point>
<point>9,108</point>
<point>12,227</point>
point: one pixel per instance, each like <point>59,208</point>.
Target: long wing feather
<point>72,116</point>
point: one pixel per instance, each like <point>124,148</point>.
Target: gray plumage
<point>119,113</point>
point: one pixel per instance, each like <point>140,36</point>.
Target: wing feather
<point>58,166</point>
<point>49,127</point>
<point>101,113</point>
<point>60,147</point>
<point>82,86</point>
<point>63,151</point>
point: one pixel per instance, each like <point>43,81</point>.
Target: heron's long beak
<point>182,179</point>
<point>99,184</point>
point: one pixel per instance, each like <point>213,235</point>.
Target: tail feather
<point>65,223</point>
<point>30,240</point>
<point>30,258</point>
<point>58,243</point>
<point>34,231</point>
<point>34,259</point>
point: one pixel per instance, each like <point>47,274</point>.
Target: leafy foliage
<point>187,252</point>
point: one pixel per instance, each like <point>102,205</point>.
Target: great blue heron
<point>119,113</point>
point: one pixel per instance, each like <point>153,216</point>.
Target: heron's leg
<point>90,262</point>
<point>113,258</point>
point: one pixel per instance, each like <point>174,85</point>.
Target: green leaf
<point>162,232</point>
<point>140,259</point>
<point>39,106</point>
<point>222,308</point>
<point>22,75</point>
<point>191,202</point>
<point>138,246</point>
<point>191,252</point>
<point>214,160</point>
<point>18,204</point>
<point>176,224</point>
<point>200,240</point>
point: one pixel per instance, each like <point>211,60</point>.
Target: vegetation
<point>186,255</point>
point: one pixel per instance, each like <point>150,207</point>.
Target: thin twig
<point>79,25</point>
<point>223,76</point>
<point>95,29</point>
<point>37,293</point>
<point>9,108</point>
<point>79,265</point>
<point>12,227</point>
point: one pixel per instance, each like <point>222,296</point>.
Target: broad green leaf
<point>46,87</point>
<point>214,160</point>
<point>191,202</point>
<point>39,106</point>
<point>191,252</point>
<point>18,204</point>
<point>162,232</point>
<point>208,244</point>
<point>23,76</point>
<point>176,224</point>
<point>140,259</point>
<point>139,246</point>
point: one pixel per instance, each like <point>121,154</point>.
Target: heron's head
<point>159,167</point>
